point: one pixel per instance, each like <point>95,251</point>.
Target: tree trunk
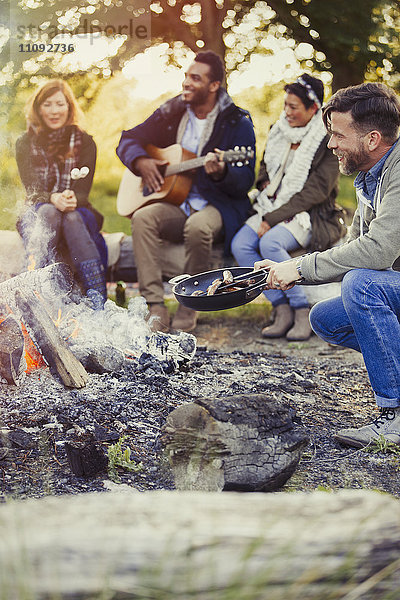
<point>243,443</point>
<point>208,546</point>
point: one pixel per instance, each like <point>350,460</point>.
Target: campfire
<point>96,377</point>
<point>46,322</point>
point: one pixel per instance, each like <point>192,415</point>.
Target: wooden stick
<point>48,339</point>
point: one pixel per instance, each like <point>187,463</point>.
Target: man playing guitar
<point>204,121</point>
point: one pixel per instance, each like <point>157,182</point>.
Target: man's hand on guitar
<point>150,172</point>
<point>214,165</point>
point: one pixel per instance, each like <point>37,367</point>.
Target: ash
<point>131,396</point>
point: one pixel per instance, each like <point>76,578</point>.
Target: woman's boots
<point>295,325</point>
<point>93,277</point>
<point>301,329</point>
<point>282,323</point>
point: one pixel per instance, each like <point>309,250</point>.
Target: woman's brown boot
<point>282,323</point>
<point>301,329</point>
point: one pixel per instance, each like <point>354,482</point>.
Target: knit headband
<point>310,92</point>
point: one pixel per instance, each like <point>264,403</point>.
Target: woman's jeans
<point>366,317</point>
<point>247,248</point>
<point>48,233</point>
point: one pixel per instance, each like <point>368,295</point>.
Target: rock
<point>209,546</point>
<point>244,443</point>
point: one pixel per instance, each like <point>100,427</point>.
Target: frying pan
<point>185,285</point>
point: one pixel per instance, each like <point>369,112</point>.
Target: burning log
<point>48,339</point>
<point>12,361</point>
<point>21,293</point>
<point>50,282</point>
<point>244,443</point>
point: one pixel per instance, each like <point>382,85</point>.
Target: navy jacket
<point>233,127</point>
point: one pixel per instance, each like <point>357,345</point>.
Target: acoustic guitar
<point>178,177</point>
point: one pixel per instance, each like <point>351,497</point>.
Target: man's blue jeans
<point>366,317</point>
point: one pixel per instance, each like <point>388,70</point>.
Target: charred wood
<point>245,443</point>
<point>86,459</point>
<point>12,362</point>
<point>47,338</point>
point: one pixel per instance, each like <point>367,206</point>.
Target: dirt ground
<point>326,386</point>
<point>325,464</point>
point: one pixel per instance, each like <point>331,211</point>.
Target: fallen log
<point>208,546</point>
<point>241,442</point>
<point>46,336</point>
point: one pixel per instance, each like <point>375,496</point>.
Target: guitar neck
<point>186,165</point>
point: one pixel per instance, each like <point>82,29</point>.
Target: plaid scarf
<point>54,155</point>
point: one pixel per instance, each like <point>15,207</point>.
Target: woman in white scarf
<point>281,221</point>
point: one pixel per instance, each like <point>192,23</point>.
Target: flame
<point>34,360</point>
<point>69,322</point>
<point>32,263</point>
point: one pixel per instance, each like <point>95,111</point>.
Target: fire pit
<point>136,379</point>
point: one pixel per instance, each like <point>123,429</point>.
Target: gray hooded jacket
<point>378,247</point>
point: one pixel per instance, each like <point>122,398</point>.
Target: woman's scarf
<point>54,155</point>
<point>281,137</point>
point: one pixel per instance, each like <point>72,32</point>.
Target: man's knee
<point>317,317</point>
<point>140,220</point>
<point>146,216</point>
<point>354,285</point>
<point>197,231</point>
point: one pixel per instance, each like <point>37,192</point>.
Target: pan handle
<point>256,290</point>
<point>179,279</point>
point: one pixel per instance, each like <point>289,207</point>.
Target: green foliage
<point>350,40</point>
<point>347,194</point>
<point>382,445</point>
<point>119,458</point>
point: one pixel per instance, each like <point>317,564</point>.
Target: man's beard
<point>199,97</point>
<point>353,161</point>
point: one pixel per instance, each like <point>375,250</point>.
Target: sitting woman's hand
<point>264,227</point>
<point>65,201</point>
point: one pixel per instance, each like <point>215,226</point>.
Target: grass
<point>253,311</point>
<point>382,445</point>
<point>104,197</point>
<point>120,459</point>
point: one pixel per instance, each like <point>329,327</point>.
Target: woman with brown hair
<point>56,161</point>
